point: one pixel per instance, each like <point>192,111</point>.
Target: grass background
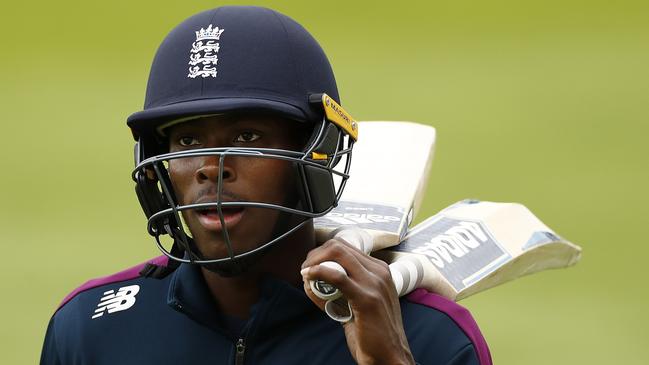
<point>539,102</point>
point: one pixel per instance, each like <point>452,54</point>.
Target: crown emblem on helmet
<point>209,33</point>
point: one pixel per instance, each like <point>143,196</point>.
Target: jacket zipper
<point>241,349</point>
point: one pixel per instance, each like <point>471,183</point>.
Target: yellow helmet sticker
<point>319,156</point>
<point>339,116</point>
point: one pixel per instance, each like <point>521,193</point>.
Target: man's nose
<point>209,170</point>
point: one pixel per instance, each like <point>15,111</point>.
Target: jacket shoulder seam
<point>124,275</point>
<point>460,316</point>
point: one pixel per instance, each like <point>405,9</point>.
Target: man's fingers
<point>355,262</point>
<point>331,276</point>
<point>337,278</point>
<point>361,287</point>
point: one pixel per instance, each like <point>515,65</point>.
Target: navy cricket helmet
<point>239,59</point>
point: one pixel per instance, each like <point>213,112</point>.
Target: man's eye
<point>247,137</point>
<point>187,141</point>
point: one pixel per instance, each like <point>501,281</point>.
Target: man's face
<point>248,179</point>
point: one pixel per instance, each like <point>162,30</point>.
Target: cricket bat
<point>388,177</point>
<point>376,207</point>
<point>474,245</point>
<point>467,248</point>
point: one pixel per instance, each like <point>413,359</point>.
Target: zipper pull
<point>241,349</point>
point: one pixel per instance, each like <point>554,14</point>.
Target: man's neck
<point>236,295</point>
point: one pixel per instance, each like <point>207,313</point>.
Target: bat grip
<point>407,274</point>
<point>324,290</point>
<point>353,236</point>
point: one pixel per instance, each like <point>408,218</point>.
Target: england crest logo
<point>203,56</point>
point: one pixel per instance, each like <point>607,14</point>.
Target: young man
<point>241,143</point>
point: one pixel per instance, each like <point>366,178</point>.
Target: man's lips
<point>210,220</point>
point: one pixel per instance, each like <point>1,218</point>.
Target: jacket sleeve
<point>49,354</point>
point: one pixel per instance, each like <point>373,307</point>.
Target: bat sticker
<point>463,251</point>
<point>378,217</point>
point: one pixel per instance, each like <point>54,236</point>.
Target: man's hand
<point>375,334</point>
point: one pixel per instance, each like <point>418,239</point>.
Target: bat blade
<point>472,246</point>
<point>388,177</point>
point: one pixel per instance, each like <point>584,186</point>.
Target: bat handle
<point>324,290</point>
<point>355,237</point>
<point>407,274</point>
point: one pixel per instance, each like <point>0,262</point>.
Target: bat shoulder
<point>435,323</point>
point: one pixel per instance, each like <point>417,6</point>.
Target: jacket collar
<point>280,303</point>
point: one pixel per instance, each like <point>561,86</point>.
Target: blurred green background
<point>540,102</point>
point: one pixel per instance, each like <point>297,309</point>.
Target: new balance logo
<point>114,302</point>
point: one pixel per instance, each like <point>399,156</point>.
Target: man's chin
<point>214,249</point>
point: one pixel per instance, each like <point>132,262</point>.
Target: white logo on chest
<point>114,302</point>
<point>203,56</point>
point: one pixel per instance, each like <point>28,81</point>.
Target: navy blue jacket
<point>173,321</point>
